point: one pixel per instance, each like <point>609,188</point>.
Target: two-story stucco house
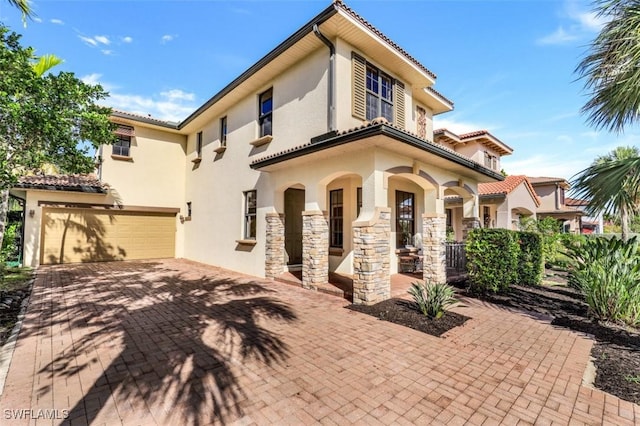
<point>553,203</point>
<point>321,157</point>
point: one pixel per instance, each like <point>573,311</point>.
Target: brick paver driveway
<point>176,342</point>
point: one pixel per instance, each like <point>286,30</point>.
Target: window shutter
<point>399,118</point>
<point>124,130</point>
<point>358,101</point>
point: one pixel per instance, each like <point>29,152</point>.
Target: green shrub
<point>607,271</point>
<point>432,299</point>
<point>530,259</point>
<point>492,259</point>
<point>9,248</point>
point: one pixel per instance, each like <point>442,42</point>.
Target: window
<point>335,218</point>
<point>561,197</point>
<point>223,131</point>
<point>188,208</point>
<point>266,112</point>
<point>122,145</point>
<point>490,161</point>
<point>250,210</point>
<point>376,94</point>
<point>199,144</point>
<point>379,94</point>
<point>358,201</point>
<point>405,218</point>
<point>486,216</point>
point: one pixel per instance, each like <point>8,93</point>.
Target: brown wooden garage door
<point>73,235</point>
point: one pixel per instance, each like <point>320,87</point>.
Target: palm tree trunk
<point>624,219</point>
<point>4,207</point>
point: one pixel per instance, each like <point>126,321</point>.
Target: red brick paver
<point>176,342</point>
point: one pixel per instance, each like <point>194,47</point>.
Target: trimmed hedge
<point>492,259</point>
<point>499,258</point>
<point>531,259</point>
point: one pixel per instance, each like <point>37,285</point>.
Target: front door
<point>293,207</point>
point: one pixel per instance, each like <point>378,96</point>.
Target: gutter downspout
<point>331,78</point>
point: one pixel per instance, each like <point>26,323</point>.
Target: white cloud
<point>544,165</point>
<point>166,38</point>
<point>460,127</point>
<point>172,105</point>
<point>127,39</point>
<point>57,21</point>
<point>107,52</point>
<point>577,24</point>
<point>177,94</point>
<point>91,78</point>
<point>38,20</point>
<point>559,36</point>
<point>102,39</point>
<point>88,40</point>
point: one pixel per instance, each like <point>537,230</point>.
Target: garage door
<point>73,235</point>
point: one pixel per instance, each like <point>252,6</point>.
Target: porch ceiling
<point>381,136</point>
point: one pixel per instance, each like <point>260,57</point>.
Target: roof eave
<point>331,140</point>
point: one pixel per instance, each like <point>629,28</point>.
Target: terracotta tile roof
<point>506,186</point>
<point>344,7</point>
<point>545,179</point>
<point>75,183</point>
<point>141,117</point>
<point>575,202</point>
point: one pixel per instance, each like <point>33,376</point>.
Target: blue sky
<point>507,65</point>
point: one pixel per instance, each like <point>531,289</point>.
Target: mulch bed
<point>399,311</point>
<point>616,352</point>
<point>10,307</point>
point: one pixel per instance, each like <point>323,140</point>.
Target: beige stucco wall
<point>548,196</point>
<point>215,186</point>
<point>475,151</point>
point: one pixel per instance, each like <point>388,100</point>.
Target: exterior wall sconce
<point>32,213</point>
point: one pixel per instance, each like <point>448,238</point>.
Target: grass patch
<point>15,279</point>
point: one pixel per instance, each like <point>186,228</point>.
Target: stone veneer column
<point>434,235</point>
<point>371,239</point>
<point>469,223</point>
<point>274,263</point>
<point>315,249</point>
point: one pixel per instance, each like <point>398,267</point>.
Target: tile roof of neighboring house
<point>379,124</point>
<point>145,118</point>
<point>506,186</point>
<point>74,183</point>
<point>482,136</point>
<point>575,202</point>
<point>545,179</point>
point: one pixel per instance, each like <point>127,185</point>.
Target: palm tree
<point>25,8</point>
<point>610,70</point>
<point>612,185</point>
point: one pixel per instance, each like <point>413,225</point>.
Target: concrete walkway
<point>175,342</point>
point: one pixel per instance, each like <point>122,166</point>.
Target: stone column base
<point>434,235</point>
<point>371,279</point>
<point>315,249</point>
<point>469,223</point>
<point>274,263</point>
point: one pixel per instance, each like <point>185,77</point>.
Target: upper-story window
<point>375,93</point>
<point>490,161</point>
<point>561,196</point>
<point>379,94</point>
<point>122,145</point>
<point>265,118</point>
<point>223,131</point>
<point>199,145</point>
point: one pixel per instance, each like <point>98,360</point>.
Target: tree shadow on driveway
<point>168,341</point>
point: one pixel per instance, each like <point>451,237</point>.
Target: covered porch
<point>343,218</point>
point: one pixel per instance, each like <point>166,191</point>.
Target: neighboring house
<point>502,205</point>
<point>551,191</point>
<point>319,157</point>
<point>588,224</point>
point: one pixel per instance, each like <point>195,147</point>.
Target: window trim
<point>248,216</point>
<point>378,95</point>
<point>336,223</point>
<point>120,138</point>
<point>412,220</point>
<point>262,98</point>
<point>223,131</point>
